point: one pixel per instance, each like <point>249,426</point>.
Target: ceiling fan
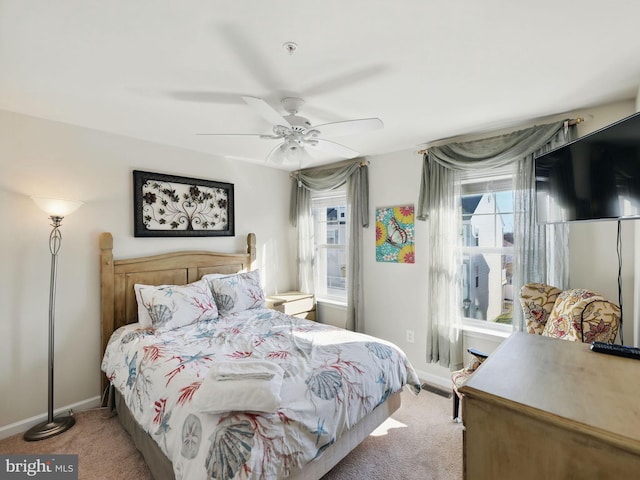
<point>295,133</point>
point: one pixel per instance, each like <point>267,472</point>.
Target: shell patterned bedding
<point>295,385</point>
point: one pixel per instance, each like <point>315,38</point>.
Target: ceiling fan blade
<point>349,127</point>
<point>345,80</point>
<point>234,134</point>
<point>334,148</point>
<point>242,159</point>
<point>204,96</point>
<point>266,111</point>
<point>249,54</point>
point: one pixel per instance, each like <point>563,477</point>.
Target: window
<point>330,227</point>
<point>486,205</point>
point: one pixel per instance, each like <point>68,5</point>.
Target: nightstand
<point>297,304</point>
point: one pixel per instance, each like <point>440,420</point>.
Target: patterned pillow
<point>172,306</point>
<point>236,293</point>
<point>567,316</point>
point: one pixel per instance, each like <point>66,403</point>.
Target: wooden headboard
<point>117,277</point>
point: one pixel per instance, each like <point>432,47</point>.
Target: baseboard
<point>430,387</point>
<point>24,425</point>
<point>437,380</point>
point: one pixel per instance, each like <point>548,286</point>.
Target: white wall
<point>43,158</point>
<point>395,293</point>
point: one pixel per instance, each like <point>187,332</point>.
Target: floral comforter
<point>332,378</point>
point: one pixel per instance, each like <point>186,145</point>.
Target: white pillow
<point>236,293</point>
<point>172,306</point>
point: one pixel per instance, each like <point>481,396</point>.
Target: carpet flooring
<point>418,442</point>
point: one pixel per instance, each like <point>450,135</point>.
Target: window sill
<point>332,302</point>
<point>481,329</point>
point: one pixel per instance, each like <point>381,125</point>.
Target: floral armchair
<point>577,315</point>
<point>460,376</point>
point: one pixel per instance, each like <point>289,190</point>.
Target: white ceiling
<point>164,70</point>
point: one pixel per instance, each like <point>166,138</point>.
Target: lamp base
<point>46,430</point>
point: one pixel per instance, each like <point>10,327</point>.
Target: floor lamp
<point>57,210</point>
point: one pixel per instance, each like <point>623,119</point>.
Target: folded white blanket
<point>240,385</point>
<point>244,370</point>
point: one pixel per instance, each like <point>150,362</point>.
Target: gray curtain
<point>438,203</point>
<point>542,250</point>
<point>443,312</point>
<point>355,174</point>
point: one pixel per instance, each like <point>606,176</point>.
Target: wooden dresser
<point>542,408</point>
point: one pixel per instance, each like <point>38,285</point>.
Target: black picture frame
<point>173,206</point>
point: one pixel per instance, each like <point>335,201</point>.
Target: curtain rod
<point>570,122</point>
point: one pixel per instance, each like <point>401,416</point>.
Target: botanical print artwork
<point>167,205</point>
<point>395,234</point>
<point>183,207</point>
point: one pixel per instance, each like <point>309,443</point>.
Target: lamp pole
<point>52,426</point>
<point>55,240</point>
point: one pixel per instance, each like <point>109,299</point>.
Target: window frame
<point>481,182</point>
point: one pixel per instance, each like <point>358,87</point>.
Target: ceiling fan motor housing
<point>298,123</point>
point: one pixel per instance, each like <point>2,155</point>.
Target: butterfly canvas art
<point>395,234</point>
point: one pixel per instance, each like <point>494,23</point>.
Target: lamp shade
<point>55,207</point>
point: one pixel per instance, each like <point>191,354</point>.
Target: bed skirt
<point>158,463</point>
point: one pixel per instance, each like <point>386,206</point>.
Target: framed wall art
<point>395,234</point>
<point>172,206</point>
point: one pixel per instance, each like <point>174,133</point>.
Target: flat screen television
<point>596,177</point>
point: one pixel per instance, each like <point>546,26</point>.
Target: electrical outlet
<point>410,337</point>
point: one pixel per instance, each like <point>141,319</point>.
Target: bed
<point>306,393</point>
